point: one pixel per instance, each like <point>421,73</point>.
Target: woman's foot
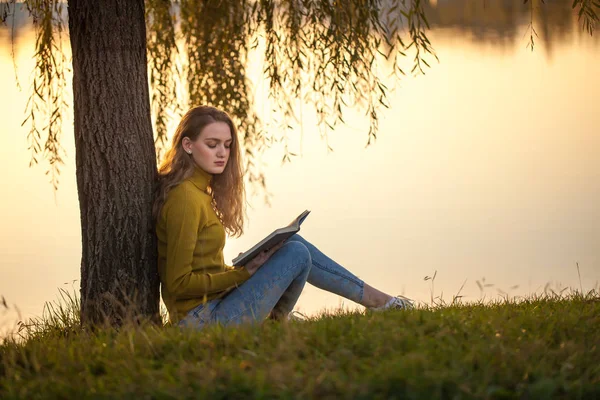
<point>297,316</point>
<point>397,302</point>
<point>292,316</point>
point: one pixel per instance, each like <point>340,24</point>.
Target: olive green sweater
<point>190,249</point>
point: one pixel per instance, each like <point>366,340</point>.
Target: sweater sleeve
<point>183,219</point>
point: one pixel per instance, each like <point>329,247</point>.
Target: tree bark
<point>115,160</point>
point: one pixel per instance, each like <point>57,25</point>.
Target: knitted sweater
<point>190,249</point>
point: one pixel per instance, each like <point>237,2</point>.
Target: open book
<point>277,236</point>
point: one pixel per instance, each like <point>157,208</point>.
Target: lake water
<point>487,167</point>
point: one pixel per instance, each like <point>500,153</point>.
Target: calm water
<point>487,167</point>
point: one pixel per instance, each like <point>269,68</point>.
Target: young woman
<point>200,198</point>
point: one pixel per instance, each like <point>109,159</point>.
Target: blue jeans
<point>276,285</point>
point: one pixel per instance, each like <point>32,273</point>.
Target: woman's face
<point>211,149</point>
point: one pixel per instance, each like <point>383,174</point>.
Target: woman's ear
<point>186,143</point>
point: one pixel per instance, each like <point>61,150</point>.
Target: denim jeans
<point>277,284</point>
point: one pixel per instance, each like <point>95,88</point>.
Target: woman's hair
<point>227,188</point>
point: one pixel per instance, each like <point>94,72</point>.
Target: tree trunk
<point>115,159</point>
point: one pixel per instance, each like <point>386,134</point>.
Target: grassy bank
<point>538,348</point>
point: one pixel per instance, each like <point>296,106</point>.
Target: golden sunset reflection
<point>487,166</point>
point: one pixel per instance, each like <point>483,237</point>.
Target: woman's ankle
<point>373,297</point>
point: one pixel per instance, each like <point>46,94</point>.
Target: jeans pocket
<point>199,313</point>
<point>198,316</point>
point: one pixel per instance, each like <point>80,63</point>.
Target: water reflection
<point>498,21</point>
<point>488,166</point>
<point>507,23</point>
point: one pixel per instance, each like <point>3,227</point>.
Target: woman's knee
<point>298,253</point>
<point>296,238</point>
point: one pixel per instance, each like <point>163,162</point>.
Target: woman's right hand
<point>261,258</point>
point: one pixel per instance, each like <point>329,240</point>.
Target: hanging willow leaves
<point>46,105</point>
<point>588,13</point>
<point>161,50</point>
<point>330,54</point>
<point>216,37</point>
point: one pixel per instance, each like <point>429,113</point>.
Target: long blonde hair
<point>227,188</point>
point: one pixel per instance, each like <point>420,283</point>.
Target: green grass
<point>537,348</point>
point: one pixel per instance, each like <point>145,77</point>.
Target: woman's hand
<point>261,258</point>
